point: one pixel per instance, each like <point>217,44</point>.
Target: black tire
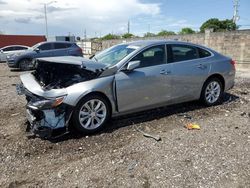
<point>204,96</point>
<point>25,64</point>
<point>76,114</point>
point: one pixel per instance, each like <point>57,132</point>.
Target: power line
<point>236,16</point>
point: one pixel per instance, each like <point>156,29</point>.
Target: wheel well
<point>102,95</point>
<point>218,76</point>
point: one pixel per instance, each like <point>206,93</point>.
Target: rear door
<point>188,72</point>
<point>60,49</point>
<point>147,85</point>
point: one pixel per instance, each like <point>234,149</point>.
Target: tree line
<point>214,24</point>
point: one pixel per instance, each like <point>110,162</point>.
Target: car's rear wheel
<point>91,114</point>
<point>212,92</point>
<point>25,65</point>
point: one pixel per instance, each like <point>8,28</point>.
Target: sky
<point>100,17</point>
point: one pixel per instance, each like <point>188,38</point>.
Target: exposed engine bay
<point>57,75</point>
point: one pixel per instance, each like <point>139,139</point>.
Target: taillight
<point>233,63</point>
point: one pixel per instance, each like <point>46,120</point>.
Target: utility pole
<point>85,34</point>
<point>46,22</point>
<point>128,26</point>
<point>236,16</point>
<point>45,16</point>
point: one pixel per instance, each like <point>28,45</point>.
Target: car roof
<point>14,45</point>
<point>56,42</point>
<point>143,43</point>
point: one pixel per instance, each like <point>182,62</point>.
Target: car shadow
<point>16,70</point>
<point>144,116</point>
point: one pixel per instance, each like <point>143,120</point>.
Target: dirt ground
<point>218,155</point>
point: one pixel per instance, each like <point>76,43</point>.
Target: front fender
<point>103,85</point>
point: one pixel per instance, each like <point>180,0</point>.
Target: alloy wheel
<point>92,114</point>
<point>212,92</point>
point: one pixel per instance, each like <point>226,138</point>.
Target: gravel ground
<point>218,155</point>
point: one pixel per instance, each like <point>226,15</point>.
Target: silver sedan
<point>123,79</point>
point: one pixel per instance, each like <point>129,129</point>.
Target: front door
<point>147,85</point>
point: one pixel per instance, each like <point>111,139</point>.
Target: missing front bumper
<point>49,123</point>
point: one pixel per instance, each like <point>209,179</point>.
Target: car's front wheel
<point>212,92</point>
<point>91,114</point>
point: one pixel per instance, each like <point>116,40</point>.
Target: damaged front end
<point>46,114</point>
<point>45,93</point>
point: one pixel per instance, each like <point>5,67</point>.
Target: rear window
<point>203,53</point>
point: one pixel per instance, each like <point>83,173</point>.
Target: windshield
<point>35,46</point>
<point>114,54</point>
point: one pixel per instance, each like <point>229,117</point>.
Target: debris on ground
<point>185,116</point>
<point>191,126</point>
<point>156,137</point>
<point>15,114</point>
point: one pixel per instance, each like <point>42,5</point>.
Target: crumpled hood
<point>73,60</point>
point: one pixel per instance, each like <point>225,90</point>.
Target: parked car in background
<point>24,60</point>
<point>123,79</point>
<point>12,49</point>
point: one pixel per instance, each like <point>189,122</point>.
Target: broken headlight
<point>46,104</point>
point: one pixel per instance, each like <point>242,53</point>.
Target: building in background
<point>62,38</point>
<point>27,40</point>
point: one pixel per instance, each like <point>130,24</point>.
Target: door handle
<point>200,66</point>
<point>165,72</point>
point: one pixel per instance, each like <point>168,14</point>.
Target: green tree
<point>186,30</point>
<point>127,35</point>
<point>148,34</point>
<point>110,37</point>
<point>218,25</point>
<point>164,33</point>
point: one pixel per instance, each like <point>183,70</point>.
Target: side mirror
<point>1,51</point>
<point>37,50</point>
<point>133,65</point>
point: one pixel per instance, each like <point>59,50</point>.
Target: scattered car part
<point>191,126</point>
<point>156,137</point>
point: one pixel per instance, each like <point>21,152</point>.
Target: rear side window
<point>152,56</point>
<point>203,53</point>
<point>68,45</point>
<point>183,53</point>
<point>46,46</point>
<point>20,48</point>
<point>60,45</point>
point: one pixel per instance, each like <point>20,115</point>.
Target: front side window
<point>152,56</point>
<point>113,55</point>
<point>46,46</point>
<point>8,49</point>
<point>183,53</point>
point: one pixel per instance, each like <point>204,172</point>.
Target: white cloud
<point>63,16</point>
<point>98,17</point>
